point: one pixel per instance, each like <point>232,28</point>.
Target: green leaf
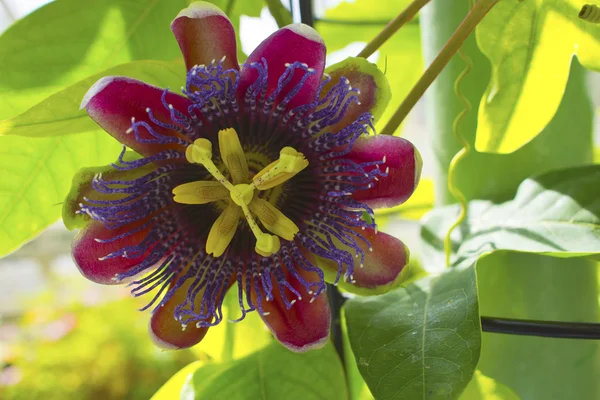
<point>36,176</point>
<point>279,12</point>
<point>571,128</point>
<point>66,41</point>
<point>272,373</point>
<point>483,388</point>
<point>557,213</point>
<point>59,114</point>
<point>233,340</point>
<point>402,51</point>
<point>530,45</point>
<point>532,286</point>
<point>172,389</point>
<point>422,341</point>
<point>420,203</point>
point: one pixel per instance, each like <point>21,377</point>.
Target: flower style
<point>264,176</point>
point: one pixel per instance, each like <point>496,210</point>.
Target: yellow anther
<point>291,160</point>
<point>289,164</point>
<point>243,202</point>
<point>222,231</point>
<point>233,155</point>
<point>200,192</point>
<point>199,151</point>
<point>267,244</point>
<point>242,193</point>
<point>273,219</point>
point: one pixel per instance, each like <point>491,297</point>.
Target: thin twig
<point>392,27</point>
<point>479,11</point>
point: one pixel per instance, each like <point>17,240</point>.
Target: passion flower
<point>264,175</point>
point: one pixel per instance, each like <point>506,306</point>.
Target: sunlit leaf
<point>36,176</point>
<point>571,128</point>
<point>234,339</point>
<point>530,45</point>
<point>414,208</point>
<point>59,114</point>
<point>422,341</point>
<point>67,41</point>
<point>272,373</point>
<point>172,389</point>
<point>483,388</point>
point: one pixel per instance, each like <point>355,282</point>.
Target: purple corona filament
<point>318,199</point>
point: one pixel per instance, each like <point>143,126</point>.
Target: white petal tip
<point>306,31</point>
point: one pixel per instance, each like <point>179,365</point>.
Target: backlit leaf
<point>530,45</point>
<point>59,114</point>
<point>272,373</point>
<point>36,176</point>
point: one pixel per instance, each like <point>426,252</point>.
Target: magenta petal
<point>204,34</point>
<point>293,43</point>
<point>89,253</point>
<point>384,260</point>
<point>404,163</point>
<point>167,332</point>
<point>305,325</point>
<point>113,101</point>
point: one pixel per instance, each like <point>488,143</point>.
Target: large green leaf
<point>37,172</point>
<point>36,176</point>
<point>67,41</point>
<point>483,388</point>
<point>565,142</point>
<point>530,45</point>
<point>418,342</point>
<point>402,52</point>
<point>59,114</point>
<point>171,390</point>
<point>532,286</point>
<point>557,213</point>
<point>272,373</point>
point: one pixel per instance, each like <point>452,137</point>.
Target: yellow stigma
<point>239,194</point>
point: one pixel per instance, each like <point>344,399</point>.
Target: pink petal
<point>296,42</point>
<point>204,34</point>
<point>166,332</point>
<point>404,163</point>
<point>114,100</point>
<point>87,251</point>
<point>382,266</point>
<point>375,92</point>
<point>305,325</point>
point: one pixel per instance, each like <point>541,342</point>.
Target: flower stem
<point>336,300</point>
<point>229,7</point>
<point>392,27</point>
<point>278,11</point>
<point>474,17</point>
<point>228,346</point>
